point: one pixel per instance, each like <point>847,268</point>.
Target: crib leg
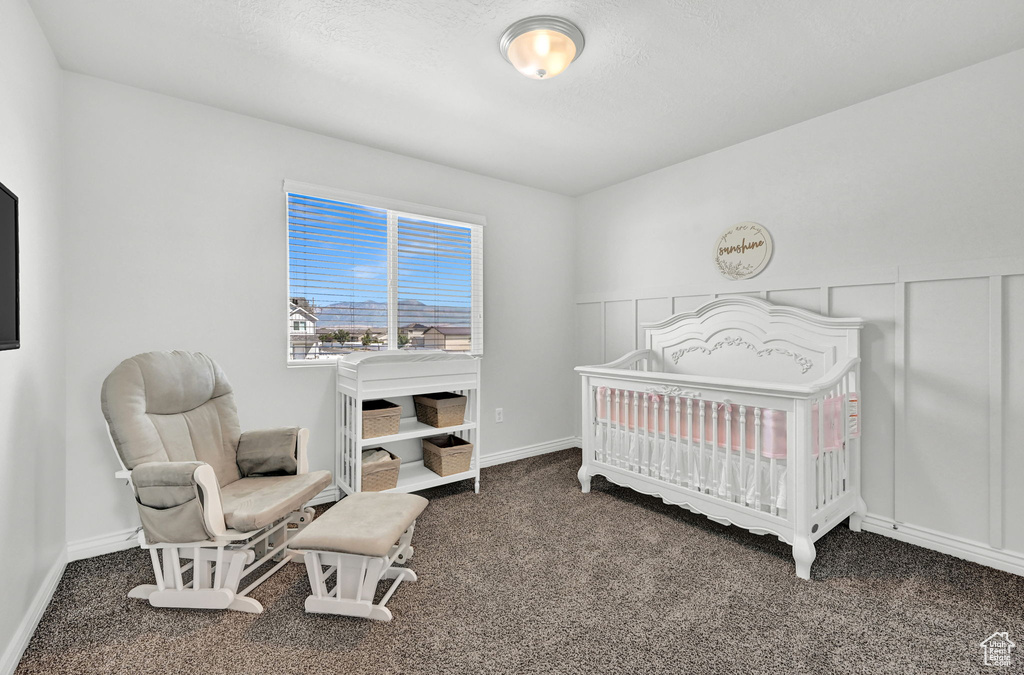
<point>803,555</point>
<point>584,479</point>
<point>857,517</point>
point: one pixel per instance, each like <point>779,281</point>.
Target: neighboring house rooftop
<point>451,330</point>
<point>294,309</point>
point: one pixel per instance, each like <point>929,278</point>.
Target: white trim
<point>408,208</point>
<point>30,621</point>
<point>900,344</point>
<point>331,361</point>
<point>1004,266</point>
<point>957,547</point>
<point>505,456</point>
<point>329,494</point>
<point>995,412</point>
<point>867,276</point>
<point>90,547</point>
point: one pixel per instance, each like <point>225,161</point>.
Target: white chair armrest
<point>213,509</point>
<point>301,457</point>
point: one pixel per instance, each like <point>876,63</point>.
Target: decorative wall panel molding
<point>936,456</point>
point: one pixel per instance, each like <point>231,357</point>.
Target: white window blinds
<point>375,278</point>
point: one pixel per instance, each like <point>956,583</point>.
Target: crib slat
<point>634,451</point>
<point>650,458</point>
<point>666,452</point>
<point>606,440</point>
<point>617,441</point>
<point>728,451</point>
<point>702,480</point>
<point>846,433</point>
<point>689,444</point>
<point>743,455</point>
<point>676,476</point>
<point>714,449</point>
<point>820,459</point>
<point>646,449</point>
<point>773,467</point>
<point>757,458</point>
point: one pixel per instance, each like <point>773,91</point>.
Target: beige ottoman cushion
<point>365,523</point>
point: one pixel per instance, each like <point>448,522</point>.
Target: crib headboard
<point>751,339</point>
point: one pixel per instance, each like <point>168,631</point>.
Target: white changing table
<point>398,375</point>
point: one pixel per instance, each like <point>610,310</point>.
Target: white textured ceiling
<point>660,81</point>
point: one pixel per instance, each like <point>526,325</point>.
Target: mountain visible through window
<point>365,278</point>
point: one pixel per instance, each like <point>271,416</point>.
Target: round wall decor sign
<point>743,251</point>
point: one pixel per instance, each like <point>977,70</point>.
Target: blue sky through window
<point>338,263</point>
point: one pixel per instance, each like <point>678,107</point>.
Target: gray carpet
<point>531,576</point>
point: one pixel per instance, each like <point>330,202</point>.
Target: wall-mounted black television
<point>10,325</point>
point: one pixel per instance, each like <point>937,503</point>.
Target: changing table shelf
<point>410,428</point>
<point>398,376</point>
<point>414,477</point>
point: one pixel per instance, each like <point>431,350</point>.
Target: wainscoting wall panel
<point>619,327</point>
<point>942,383</point>
<point>1011,478</point>
<point>875,304</point>
<point>686,303</point>
<point>943,467</point>
<point>805,298</point>
<point>648,311</point>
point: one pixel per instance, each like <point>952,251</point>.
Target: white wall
<point>176,240</point>
<point>31,378</point>
<point>873,210</point>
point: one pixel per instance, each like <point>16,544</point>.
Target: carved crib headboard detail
<point>749,338</point>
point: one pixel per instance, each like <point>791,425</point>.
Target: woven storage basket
<point>379,476</point>
<point>447,454</point>
<point>442,409</point>
<point>380,418</point>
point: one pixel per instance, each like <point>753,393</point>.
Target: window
<point>376,274</point>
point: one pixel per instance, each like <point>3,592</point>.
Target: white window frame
<point>397,208</point>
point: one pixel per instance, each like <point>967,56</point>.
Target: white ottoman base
<point>357,577</point>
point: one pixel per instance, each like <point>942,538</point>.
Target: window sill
<point>314,363</point>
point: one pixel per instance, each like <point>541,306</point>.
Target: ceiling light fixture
<point>541,46</point>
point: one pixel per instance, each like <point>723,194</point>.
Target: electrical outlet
<point>499,415</point>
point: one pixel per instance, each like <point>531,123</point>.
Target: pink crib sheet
<point>773,422</point>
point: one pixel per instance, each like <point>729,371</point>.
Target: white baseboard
<point>329,494</point>
<point>16,647</point>
<point>528,451</point>
<point>957,547</point>
<point>121,540</point>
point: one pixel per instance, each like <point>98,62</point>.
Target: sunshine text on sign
<point>742,248</point>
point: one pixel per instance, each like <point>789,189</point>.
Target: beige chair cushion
<point>365,523</point>
<point>268,451</point>
<point>172,406</point>
<point>256,501</point>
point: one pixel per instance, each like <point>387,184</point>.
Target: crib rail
<point>737,448</point>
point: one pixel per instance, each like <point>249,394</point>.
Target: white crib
<point>744,411</point>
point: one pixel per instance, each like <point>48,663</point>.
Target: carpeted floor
<point>531,576</point>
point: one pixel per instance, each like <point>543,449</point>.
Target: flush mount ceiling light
<point>541,46</point>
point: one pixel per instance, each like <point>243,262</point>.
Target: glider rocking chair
<point>205,491</point>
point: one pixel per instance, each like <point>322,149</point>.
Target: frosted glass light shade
<point>541,47</point>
